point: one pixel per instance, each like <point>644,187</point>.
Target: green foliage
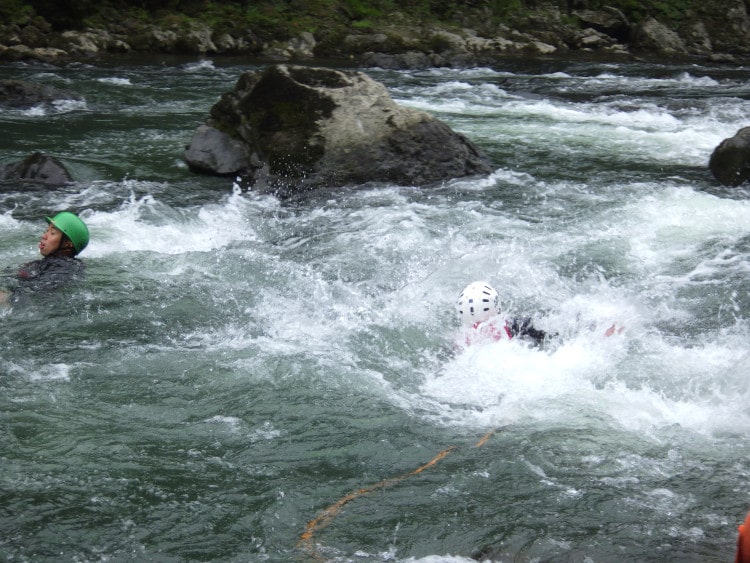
<point>359,10</point>
<point>64,14</point>
<point>363,25</point>
<point>672,10</point>
<point>570,21</point>
<point>271,16</point>
<point>280,19</point>
<point>505,8</point>
<point>666,11</point>
<point>269,19</point>
<point>15,11</point>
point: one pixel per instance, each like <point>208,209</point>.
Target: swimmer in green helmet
<point>66,236</point>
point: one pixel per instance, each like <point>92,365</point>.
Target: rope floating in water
<point>323,519</point>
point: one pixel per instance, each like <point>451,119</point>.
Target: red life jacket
<point>743,542</point>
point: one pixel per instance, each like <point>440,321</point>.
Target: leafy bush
<point>15,11</point>
<point>281,18</point>
<point>667,11</point>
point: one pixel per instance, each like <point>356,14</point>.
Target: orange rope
<point>325,517</point>
<point>483,439</point>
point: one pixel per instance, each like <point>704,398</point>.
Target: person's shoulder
<point>52,267</point>
<point>62,263</point>
<point>31,269</point>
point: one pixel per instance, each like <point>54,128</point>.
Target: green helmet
<point>72,227</point>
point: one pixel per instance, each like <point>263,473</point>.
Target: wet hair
<point>65,238</point>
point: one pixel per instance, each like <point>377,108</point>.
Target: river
<point>242,378</point>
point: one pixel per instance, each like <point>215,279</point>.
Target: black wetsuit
<point>522,328</point>
<point>499,328</point>
<point>45,275</point>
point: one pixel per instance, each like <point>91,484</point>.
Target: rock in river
<point>289,129</point>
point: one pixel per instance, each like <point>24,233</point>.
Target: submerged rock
<point>24,94</point>
<point>37,167</point>
<point>289,129</point>
<point>730,161</point>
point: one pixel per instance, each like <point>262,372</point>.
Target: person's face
<point>50,241</point>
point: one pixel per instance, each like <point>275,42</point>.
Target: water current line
<point>322,520</point>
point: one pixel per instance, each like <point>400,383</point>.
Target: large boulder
<point>289,129</point>
<point>23,94</point>
<point>654,37</point>
<point>725,26</point>
<point>37,167</point>
<point>730,161</point>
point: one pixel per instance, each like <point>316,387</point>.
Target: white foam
<point>33,372</point>
<point>117,81</point>
<point>200,66</point>
<point>674,222</point>
<point>146,224</point>
<point>591,375</point>
<point>635,125</point>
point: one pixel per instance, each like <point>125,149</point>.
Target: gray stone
<point>652,35</point>
<point>302,128</point>
<point>37,167</point>
<point>214,152</point>
<point>730,161</point>
<point>25,94</point>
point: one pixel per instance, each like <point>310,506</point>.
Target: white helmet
<point>477,302</point>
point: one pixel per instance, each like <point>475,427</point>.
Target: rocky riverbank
<point>719,31</point>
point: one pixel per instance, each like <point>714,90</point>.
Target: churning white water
<point>235,365</point>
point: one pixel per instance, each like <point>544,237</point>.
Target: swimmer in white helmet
<point>478,307</point>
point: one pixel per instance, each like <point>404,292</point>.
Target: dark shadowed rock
<point>730,161</point>
<point>290,129</point>
<point>608,20</point>
<point>23,94</point>
<point>39,168</point>
<point>214,152</point>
